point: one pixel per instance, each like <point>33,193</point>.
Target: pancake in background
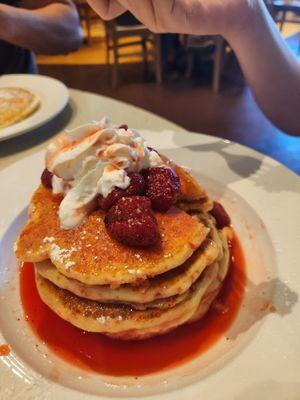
<point>16,104</point>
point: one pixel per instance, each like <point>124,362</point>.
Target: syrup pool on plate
<point>96,352</point>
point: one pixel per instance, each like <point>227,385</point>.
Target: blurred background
<point>195,82</point>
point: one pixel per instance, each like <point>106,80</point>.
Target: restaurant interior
<point>150,224</point>
<point>167,73</point>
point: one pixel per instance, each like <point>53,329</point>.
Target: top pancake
<point>87,253</point>
<point>16,104</point>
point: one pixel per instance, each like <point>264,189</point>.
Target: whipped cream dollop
<point>94,159</point>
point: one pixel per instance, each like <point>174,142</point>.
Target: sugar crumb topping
<point>60,254</point>
<point>103,319</point>
<point>70,264</point>
<point>134,271</point>
<point>48,239</point>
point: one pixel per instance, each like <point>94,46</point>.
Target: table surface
<point>83,107</point>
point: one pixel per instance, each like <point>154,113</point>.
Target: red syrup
<point>96,352</point>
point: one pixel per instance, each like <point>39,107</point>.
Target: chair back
<point>110,27</point>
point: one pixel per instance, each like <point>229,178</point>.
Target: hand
<point>198,17</point>
<point>107,9</point>
<point>43,26</point>
<point>246,24</point>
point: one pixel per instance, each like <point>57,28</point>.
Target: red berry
<point>162,187</point>
<point>220,215</point>
<point>46,178</point>
<point>132,222</point>
<point>124,126</point>
<point>137,187</point>
<point>105,203</point>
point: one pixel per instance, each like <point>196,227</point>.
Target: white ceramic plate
<point>53,95</point>
<point>261,359</point>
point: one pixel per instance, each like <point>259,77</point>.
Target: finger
<point>165,11</point>
<point>176,16</point>
<point>107,9</point>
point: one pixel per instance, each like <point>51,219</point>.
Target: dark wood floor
<point>232,114</point>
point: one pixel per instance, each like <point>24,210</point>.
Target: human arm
<point>43,26</point>
<point>271,70</point>
<point>269,66</point>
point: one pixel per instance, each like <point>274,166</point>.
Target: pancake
<point>220,238</point>
<point>224,262</point>
<point>190,190</point>
<point>205,303</point>
<point>161,303</point>
<point>99,284</point>
<point>120,320</point>
<point>88,254</point>
<point>169,284</point>
<point>16,104</point>
<point>202,204</point>
<point>192,197</point>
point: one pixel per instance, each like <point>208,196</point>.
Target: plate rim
<point>275,162</point>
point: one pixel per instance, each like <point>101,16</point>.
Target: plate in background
<point>53,95</point>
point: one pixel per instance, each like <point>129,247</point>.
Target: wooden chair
<point>196,43</point>
<point>84,11</point>
<point>141,36</point>
<point>280,8</point>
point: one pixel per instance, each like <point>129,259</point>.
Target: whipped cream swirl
<point>94,159</point>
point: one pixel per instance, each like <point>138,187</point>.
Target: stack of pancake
<point>101,285</point>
